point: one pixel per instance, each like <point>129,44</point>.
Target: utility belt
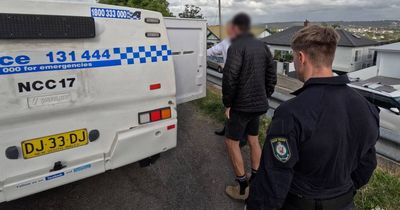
<point>337,203</point>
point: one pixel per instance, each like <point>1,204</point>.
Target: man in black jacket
<point>249,79</point>
<point>320,145</point>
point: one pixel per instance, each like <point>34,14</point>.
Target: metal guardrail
<point>388,145</point>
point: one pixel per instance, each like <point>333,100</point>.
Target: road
<point>191,176</point>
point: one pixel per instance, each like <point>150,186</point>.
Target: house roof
<point>256,30</point>
<point>347,39</point>
<point>209,33</point>
<point>395,47</point>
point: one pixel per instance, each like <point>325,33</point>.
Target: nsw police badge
<point>281,150</point>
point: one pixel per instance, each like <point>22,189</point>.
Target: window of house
<point>357,57</point>
<point>370,54</point>
<point>283,55</point>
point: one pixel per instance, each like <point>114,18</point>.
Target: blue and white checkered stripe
<point>143,54</point>
<point>87,59</point>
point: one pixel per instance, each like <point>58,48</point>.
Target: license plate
<point>54,143</point>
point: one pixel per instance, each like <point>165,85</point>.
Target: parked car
<point>216,63</point>
<point>383,92</point>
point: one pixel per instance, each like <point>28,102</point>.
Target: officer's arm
<point>231,75</point>
<point>367,163</point>
<point>280,154</point>
<point>365,169</point>
<point>270,73</point>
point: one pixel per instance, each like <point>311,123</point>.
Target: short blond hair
<point>319,43</point>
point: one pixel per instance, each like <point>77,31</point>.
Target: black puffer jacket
<point>249,75</point>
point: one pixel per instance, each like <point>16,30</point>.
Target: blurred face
<point>235,31</point>
<point>299,60</point>
<point>230,31</point>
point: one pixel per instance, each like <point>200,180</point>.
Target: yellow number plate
<point>54,143</point>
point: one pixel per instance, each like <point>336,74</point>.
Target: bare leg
<point>235,156</point>
<point>255,151</point>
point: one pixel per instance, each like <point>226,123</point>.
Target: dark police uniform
<point>319,149</point>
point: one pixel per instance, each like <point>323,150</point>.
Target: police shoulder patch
<point>280,148</point>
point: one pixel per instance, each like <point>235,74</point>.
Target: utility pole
<point>220,19</point>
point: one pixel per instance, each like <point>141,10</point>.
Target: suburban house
<point>380,85</point>
<point>353,53</point>
<point>213,36</point>
<point>387,64</point>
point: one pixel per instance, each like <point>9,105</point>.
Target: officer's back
<point>338,125</point>
<point>320,145</point>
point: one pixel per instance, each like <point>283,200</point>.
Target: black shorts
<point>241,124</point>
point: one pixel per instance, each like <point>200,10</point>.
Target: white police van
<point>87,87</point>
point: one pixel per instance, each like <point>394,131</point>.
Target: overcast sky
<point>296,10</point>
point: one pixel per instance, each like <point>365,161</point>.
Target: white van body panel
<point>107,95</point>
<point>189,49</point>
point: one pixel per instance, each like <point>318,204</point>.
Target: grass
<point>212,106</point>
<point>382,192</point>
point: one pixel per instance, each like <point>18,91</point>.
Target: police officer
<point>320,145</point>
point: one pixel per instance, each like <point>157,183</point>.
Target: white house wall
<point>344,57</point>
<point>274,47</point>
<point>388,64</point>
<point>366,58</point>
<point>264,34</point>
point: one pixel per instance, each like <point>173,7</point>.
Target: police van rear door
<point>188,40</point>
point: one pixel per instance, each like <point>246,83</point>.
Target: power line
<point>220,19</point>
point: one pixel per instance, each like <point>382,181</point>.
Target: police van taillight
<point>154,115</point>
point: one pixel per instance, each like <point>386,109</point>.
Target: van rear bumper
<point>128,147</point>
<point>142,142</point>
<point>35,184</point>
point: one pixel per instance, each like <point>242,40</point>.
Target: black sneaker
<point>220,132</point>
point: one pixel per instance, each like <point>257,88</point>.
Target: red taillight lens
<point>155,115</point>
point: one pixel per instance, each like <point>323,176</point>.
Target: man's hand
<point>227,112</point>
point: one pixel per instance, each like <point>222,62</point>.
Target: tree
<point>191,11</point>
<point>335,26</point>
<point>154,5</point>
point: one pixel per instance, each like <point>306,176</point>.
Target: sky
<point>264,11</point>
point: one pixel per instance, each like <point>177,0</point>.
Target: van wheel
<point>148,161</point>
<point>219,69</point>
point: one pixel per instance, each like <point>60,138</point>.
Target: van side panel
<point>54,86</point>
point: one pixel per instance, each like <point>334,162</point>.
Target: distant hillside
<point>375,24</point>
